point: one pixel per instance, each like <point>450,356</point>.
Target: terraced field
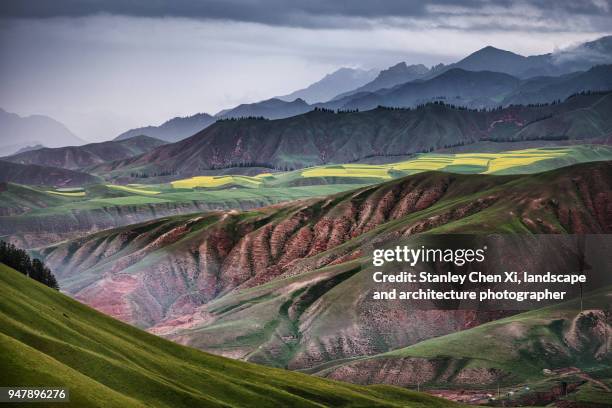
<point>509,162</point>
<point>32,210</point>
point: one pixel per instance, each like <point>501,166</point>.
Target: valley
<point>435,233</point>
<point>238,283</point>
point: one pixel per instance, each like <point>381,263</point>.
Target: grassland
<point>48,339</point>
<point>29,211</point>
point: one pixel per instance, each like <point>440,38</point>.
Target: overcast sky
<point>102,67</point>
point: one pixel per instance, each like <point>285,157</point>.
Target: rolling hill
<point>78,157</point>
<point>172,130</point>
<point>572,344</point>
<point>34,217</point>
<point>284,285</point>
<point>323,137</point>
<point>36,175</point>
<point>51,340</point>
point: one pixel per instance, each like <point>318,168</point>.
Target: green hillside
<point>285,285</point>
<point>516,344</point>
<point>48,339</point>
<point>46,215</point>
<point>540,349</point>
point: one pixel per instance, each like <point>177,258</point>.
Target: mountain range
<point>323,137</point>
<point>270,109</point>
<point>530,74</point>
<point>17,132</point>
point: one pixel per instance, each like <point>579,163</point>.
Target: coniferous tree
<point>19,260</point>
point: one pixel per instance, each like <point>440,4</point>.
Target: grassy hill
<point>284,285</point>
<point>33,174</point>
<point>41,216</point>
<point>573,345</point>
<point>78,157</point>
<point>48,339</point>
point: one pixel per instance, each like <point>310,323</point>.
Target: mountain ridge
<point>327,137</point>
<point>79,157</point>
<point>17,132</point>
<point>172,130</point>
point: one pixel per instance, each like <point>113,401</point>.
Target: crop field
<point>509,162</point>
<point>68,192</point>
<point>31,205</point>
<point>134,188</point>
<point>217,181</point>
<point>349,170</point>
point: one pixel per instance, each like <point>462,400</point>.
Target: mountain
<point>565,339</point>
<point>489,59</point>
<point>271,109</point>
<point>583,56</point>
<point>33,174</point>
<point>172,130</point>
<point>286,285</point>
<point>29,148</point>
<point>397,74</point>
<point>494,59</point>
<point>323,137</point>
<point>340,81</point>
<point>547,89</point>
<point>481,89</point>
<point>457,86</point>
<point>578,58</point>
<point>17,132</point>
<point>78,157</point>
<point>49,339</point>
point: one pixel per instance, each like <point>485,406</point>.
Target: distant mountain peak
<point>341,80</point>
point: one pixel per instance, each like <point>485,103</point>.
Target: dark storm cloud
<point>304,13</point>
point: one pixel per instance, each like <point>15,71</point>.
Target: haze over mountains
<point>388,78</point>
<point>338,82</point>
<point>17,132</point>
<point>33,174</point>
<point>78,157</point>
<point>528,79</point>
<point>249,233</point>
<point>172,130</point>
